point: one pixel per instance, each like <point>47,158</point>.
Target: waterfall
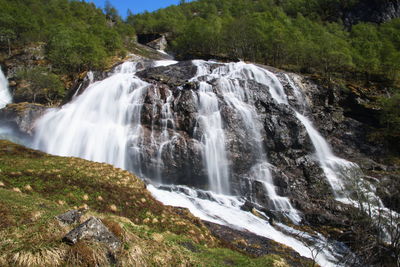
<point>238,97</point>
<point>345,177</point>
<point>213,137</point>
<point>98,124</point>
<point>330,164</point>
<point>104,124</point>
<point>336,169</point>
<point>5,96</point>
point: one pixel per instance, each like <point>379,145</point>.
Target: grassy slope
<point>35,187</point>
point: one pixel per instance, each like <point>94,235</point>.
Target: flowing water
<point>238,97</point>
<point>104,124</point>
<point>225,210</point>
<point>5,96</point>
<point>106,114</point>
<point>345,177</point>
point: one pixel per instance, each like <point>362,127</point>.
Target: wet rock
<point>94,230</point>
<point>254,245</point>
<point>174,75</point>
<point>22,116</point>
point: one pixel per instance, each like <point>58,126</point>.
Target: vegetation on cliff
<point>78,34</point>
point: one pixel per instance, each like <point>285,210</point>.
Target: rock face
<point>295,170</point>
<point>159,44</point>
<point>93,229</point>
<point>286,140</point>
<point>22,116</point>
<point>376,11</point>
<point>157,41</point>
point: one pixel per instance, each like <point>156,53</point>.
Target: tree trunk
<point>9,47</point>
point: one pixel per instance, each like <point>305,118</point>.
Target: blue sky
<point>136,6</point>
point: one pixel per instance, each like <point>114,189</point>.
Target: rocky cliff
<point>376,11</point>
<point>261,130</point>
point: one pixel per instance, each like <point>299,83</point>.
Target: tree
<point>43,86</point>
<point>111,11</point>
<point>367,46</point>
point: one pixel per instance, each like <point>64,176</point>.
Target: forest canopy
<point>300,35</point>
<point>79,36</point>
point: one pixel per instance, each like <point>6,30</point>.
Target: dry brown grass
<point>87,254</point>
<point>43,257</point>
<point>114,227</point>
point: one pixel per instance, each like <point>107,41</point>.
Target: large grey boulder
<point>94,230</point>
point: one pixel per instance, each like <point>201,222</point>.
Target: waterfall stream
<point>345,177</point>
<point>107,114</point>
<point>5,96</point>
<point>104,124</point>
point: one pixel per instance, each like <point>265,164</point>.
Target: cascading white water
<point>226,210</point>
<point>345,177</point>
<point>213,139</point>
<point>333,166</point>
<point>5,96</point>
<point>330,164</point>
<point>213,136</point>
<point>238,97</point>
<point>106,114</point>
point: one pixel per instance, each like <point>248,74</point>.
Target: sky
<point>136,6</point>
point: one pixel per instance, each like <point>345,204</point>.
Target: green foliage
<point>75,51</point>
<point>43,86</point>
<point>305,35</point>
<point>391,120</point>
<point>79,35</point>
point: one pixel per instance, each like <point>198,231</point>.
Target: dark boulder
<point>174,76</point>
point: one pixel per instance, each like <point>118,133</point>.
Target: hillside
<point>35,187</point>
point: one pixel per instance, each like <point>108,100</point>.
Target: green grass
<point>35,187</point>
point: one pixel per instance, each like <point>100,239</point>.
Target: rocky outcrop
<point>185,165</point>
<point>156,41</point>
<point>22,116</point>
<point>93,229</point>
<point>376,11</point>
<point>159,44</point>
